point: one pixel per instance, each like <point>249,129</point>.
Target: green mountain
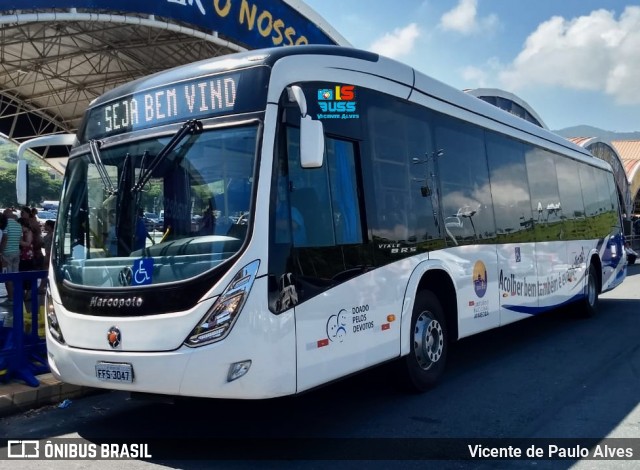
<point>590,131</point>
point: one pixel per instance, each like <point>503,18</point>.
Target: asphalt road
<point>543,380</point>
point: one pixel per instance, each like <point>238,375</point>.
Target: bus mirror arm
<point>297,95</point>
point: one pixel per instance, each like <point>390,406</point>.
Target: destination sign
<point>176,102</point>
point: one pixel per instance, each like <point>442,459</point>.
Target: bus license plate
<point>112,372</point>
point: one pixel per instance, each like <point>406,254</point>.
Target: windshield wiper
<point>143,171</point>
<point>190,127</point>
<point>94,149</point>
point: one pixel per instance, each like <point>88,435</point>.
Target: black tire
<point>590,302</point>
<point>425,363</point>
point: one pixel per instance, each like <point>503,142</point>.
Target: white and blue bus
<point>325,210</point>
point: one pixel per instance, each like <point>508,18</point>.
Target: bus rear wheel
<point>425,362</point>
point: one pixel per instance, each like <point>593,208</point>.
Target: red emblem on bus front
<point>113,336</point>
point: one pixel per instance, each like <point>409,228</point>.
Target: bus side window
<point>308,222</point>
<point>344,196</point>
<point>325,198</point>
<point>464,177</point>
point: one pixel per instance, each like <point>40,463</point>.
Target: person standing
<point>208,221</point>
<point>10,248</point>
<point>111,237</point>
<point>3,227</point>
<point>36,231</point>
<point>141,234</point>
<point>47,242</point>
<point>27,257</point>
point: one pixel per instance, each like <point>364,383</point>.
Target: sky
<point>573,61</point>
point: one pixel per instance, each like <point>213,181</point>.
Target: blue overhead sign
<point>253,23</point>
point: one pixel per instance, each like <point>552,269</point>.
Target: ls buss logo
<point>23,449</point>
<point>338,102</point>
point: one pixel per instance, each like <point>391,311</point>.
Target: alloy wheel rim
<point>428,340</point>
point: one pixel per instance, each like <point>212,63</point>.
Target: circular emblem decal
<point>480,278</point>
<point>337,326</point>
<point>125,276</point>
<point>114,337</point>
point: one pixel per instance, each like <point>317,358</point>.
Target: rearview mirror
<point>22,172</point>
<point>311,132</point>
<point>311,143</point>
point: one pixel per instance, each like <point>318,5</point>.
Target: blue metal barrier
<point>23,355</point>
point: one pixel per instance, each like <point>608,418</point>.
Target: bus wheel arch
<point>433,329</point>
<point>440,283</point>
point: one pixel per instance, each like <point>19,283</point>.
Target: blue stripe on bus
<point>537,310</point>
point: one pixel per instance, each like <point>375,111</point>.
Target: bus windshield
<point>155,210</point>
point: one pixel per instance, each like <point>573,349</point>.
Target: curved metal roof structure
<point>508,102</point>
<point>608,153</point>
<point>56,56</point>
<point>629,151</point>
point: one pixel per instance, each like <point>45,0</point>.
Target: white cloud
<point>596,52</point>
<point>475,75</point>
<point>464,19</point>
<point>398,43</point>
<point>481,77</point>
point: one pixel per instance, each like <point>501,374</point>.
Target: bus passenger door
<point>338,313</point>
<point>516,248</point>
<point>549,227</point>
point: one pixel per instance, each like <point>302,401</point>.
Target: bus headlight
<point>52,320</point>
<point>218,321</point>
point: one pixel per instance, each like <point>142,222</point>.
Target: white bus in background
<point>363,213</point>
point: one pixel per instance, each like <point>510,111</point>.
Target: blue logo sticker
<point>325,94</point>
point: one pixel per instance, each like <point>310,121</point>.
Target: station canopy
<point>56,56</point>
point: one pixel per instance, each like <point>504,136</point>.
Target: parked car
<point>43,216</point>
<point>150,220</point>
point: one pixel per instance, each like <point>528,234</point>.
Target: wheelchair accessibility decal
<point>142,272</point>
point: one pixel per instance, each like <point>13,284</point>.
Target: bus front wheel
<point>591,293</point>
<point>425,362</point>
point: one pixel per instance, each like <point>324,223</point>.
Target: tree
<point>7,188</point>
<point>41,186</point>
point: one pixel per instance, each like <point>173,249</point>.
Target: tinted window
<point>545,199</point>
<point>510,189</point>
<point>324,202</point>
<point>589,190</point>
<point>571,198</point>
<point>600,207</point>
<point>607,209</point>
<point>464,178</point>
<point>345,210</point>
<point>613,195</point>
<point>403,204</point>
